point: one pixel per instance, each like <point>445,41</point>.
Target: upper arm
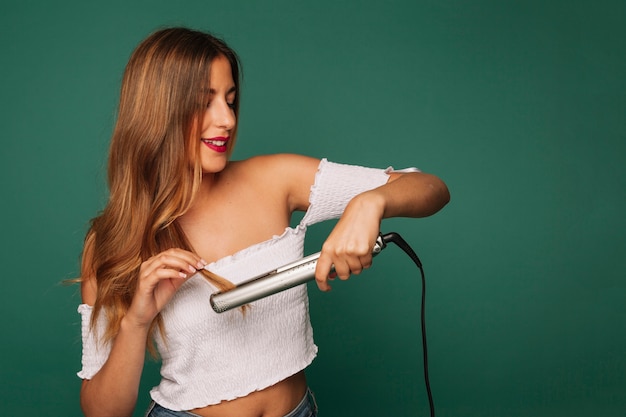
<point>88,285</point>
<point>299,174</point>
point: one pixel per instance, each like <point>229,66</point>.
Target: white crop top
<point>210,357</point>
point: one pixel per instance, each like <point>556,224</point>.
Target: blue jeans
<point>306,408</point>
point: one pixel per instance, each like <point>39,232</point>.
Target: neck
<point>208,179</point>
<point>204,191</point>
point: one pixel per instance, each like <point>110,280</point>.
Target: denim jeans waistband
<point>306,408</point>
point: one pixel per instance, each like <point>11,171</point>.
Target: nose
<point>225,116</point>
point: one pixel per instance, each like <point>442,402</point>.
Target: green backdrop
<point>520,106</point>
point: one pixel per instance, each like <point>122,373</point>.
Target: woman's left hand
<point>349,246</point>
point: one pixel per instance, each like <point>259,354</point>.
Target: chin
<point>213,167</point>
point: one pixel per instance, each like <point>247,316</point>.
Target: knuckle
<point>329,248</point>
<point>165,258</point>
<point>344,275</point>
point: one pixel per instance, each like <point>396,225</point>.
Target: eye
<point>231,99</point>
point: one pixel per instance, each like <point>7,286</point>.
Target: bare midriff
<point>274,401</point>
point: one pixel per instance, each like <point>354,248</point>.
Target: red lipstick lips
<point>218,144</point>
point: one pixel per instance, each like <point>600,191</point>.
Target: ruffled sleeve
<point>95,353</point>
<point>335,185</point>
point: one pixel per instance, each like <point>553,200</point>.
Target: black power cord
<point>401,243</point>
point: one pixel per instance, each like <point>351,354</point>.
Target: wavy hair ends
<point>153,173</point>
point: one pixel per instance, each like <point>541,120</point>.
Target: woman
<point>181,215</point>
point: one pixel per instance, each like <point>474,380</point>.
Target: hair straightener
<point>280,279</point>
<point>302,271</point>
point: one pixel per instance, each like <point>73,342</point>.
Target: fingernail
<point>192,269</point>
<point>182,275</point>
<point>201,263</point>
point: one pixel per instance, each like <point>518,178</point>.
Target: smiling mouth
<point>217,144</point>
<point>217,141</point>
<point>214,142</point>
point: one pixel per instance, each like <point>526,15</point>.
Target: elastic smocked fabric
<point>208,357</point>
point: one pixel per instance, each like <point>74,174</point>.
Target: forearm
<point>114,389</point>
<point>410,195</point>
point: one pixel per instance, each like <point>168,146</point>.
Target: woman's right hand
<point>159,278</point>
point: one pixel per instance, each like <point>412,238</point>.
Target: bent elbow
<point>438,196</point>
<point>94,404</point>
<point>444,193</point>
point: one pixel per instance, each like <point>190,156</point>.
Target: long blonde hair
<point>152,180</point>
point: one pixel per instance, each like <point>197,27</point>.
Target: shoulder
<point>274,164</point>
<point>279,168</point>
<point>291,174</point>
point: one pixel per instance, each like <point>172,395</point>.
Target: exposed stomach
<point>274,401</point>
